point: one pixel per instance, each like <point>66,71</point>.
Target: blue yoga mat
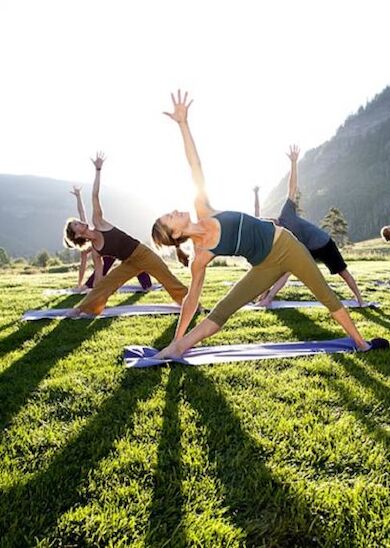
<point>276,305</point>
<point>143,356</point>
<point>111,312</point>
<point>124,289</point>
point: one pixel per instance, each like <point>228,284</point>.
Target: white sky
<point>81,75</point>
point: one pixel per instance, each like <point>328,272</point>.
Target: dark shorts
<point>330,256</point>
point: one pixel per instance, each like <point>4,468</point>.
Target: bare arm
<point>191,300</point>
<point>271,293</point>
<point>293,154</point>
<point>83,266</point>
<point>80,204</point>
<point>98,265</point>
<point>257,203</point>
<point>97,212</point>
<point>179,115</point>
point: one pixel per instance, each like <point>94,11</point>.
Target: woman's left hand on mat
<point>171,351</point>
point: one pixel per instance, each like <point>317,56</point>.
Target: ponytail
<point>182,257</point>
<point>161,235</point>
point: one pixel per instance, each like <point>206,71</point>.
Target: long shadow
<point>261,507</point>
<point>377,316</point>
<point>165,521</point>
<point>29,511</point>
<point>23,376</point>
<point>6,326</point>
<point>19,379</point>
<point>354,366</point>
<point>28,330</point>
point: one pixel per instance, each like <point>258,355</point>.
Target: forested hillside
<point>351,171</point>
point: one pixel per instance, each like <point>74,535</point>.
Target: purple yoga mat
<point>113,311</point>
<point>124,289</point>
<point>143,356</point>
<point>276,305</point>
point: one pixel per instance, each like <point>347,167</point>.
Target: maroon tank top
<point>117,244</point>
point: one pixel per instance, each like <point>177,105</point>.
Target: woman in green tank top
<point>272,251</point>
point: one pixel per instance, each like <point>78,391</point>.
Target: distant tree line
<point>42,259</point>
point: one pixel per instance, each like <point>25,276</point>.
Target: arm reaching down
<point>82,267</point>
<point>267,298</point>
<point>191,300</point>
<point>98,265</point>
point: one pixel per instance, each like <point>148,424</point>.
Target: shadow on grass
<point>165,521</point>
<point>354,366</point>
<point>377,316</point>
<point>266,511</point>
<point>30,510</point>
<point>27,331</point>
<point>20,378</point>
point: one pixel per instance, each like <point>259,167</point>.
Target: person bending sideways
<point>320,245</point>
<point>272,251</point>
<point>143,277</point>
<point>108,240</point>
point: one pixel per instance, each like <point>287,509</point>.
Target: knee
<point>218,317</point>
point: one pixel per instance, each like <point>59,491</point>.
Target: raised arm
<point>179,115</point>
<point>97,212</point>
<point>293,180</point>
<point>80,204</point>
<point>257,203</point>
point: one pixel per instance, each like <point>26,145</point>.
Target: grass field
<point>291,452</point>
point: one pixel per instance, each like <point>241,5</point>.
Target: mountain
<point>351,171</point>
<point>33,211</point>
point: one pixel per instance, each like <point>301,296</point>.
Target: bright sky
<point>81,75</point>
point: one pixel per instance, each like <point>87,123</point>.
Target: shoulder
<point>201,259</point>
<point>102,224</point>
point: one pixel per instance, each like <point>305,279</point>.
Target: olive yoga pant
<point>287,255</point>
<point>142,259</point>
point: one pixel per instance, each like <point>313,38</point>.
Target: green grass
<point>291,452</point>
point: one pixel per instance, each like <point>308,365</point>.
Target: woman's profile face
<point>176,221</point>
<point>79,228</point>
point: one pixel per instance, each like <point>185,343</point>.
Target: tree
<point>4,258</point>
<point>42,258</point>
<point>336,225</point>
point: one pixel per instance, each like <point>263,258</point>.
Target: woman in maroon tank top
<point>108,240</point>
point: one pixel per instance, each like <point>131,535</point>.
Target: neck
<point>91,234</point>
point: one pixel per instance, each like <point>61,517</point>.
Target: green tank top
<point>245,236</point>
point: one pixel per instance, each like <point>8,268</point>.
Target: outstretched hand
<point>76,191</point>
<point>256,189</point>
<point>180,107</point>
<point>99,160</point>
<point>171,351</point>
<point>293,153</point>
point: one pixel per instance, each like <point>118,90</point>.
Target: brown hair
<point>70,238</point>
<point>162,235</point>
<point>385,233</point>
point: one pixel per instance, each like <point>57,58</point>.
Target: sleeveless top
<point>245,236</point>
<point>117,244</point>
